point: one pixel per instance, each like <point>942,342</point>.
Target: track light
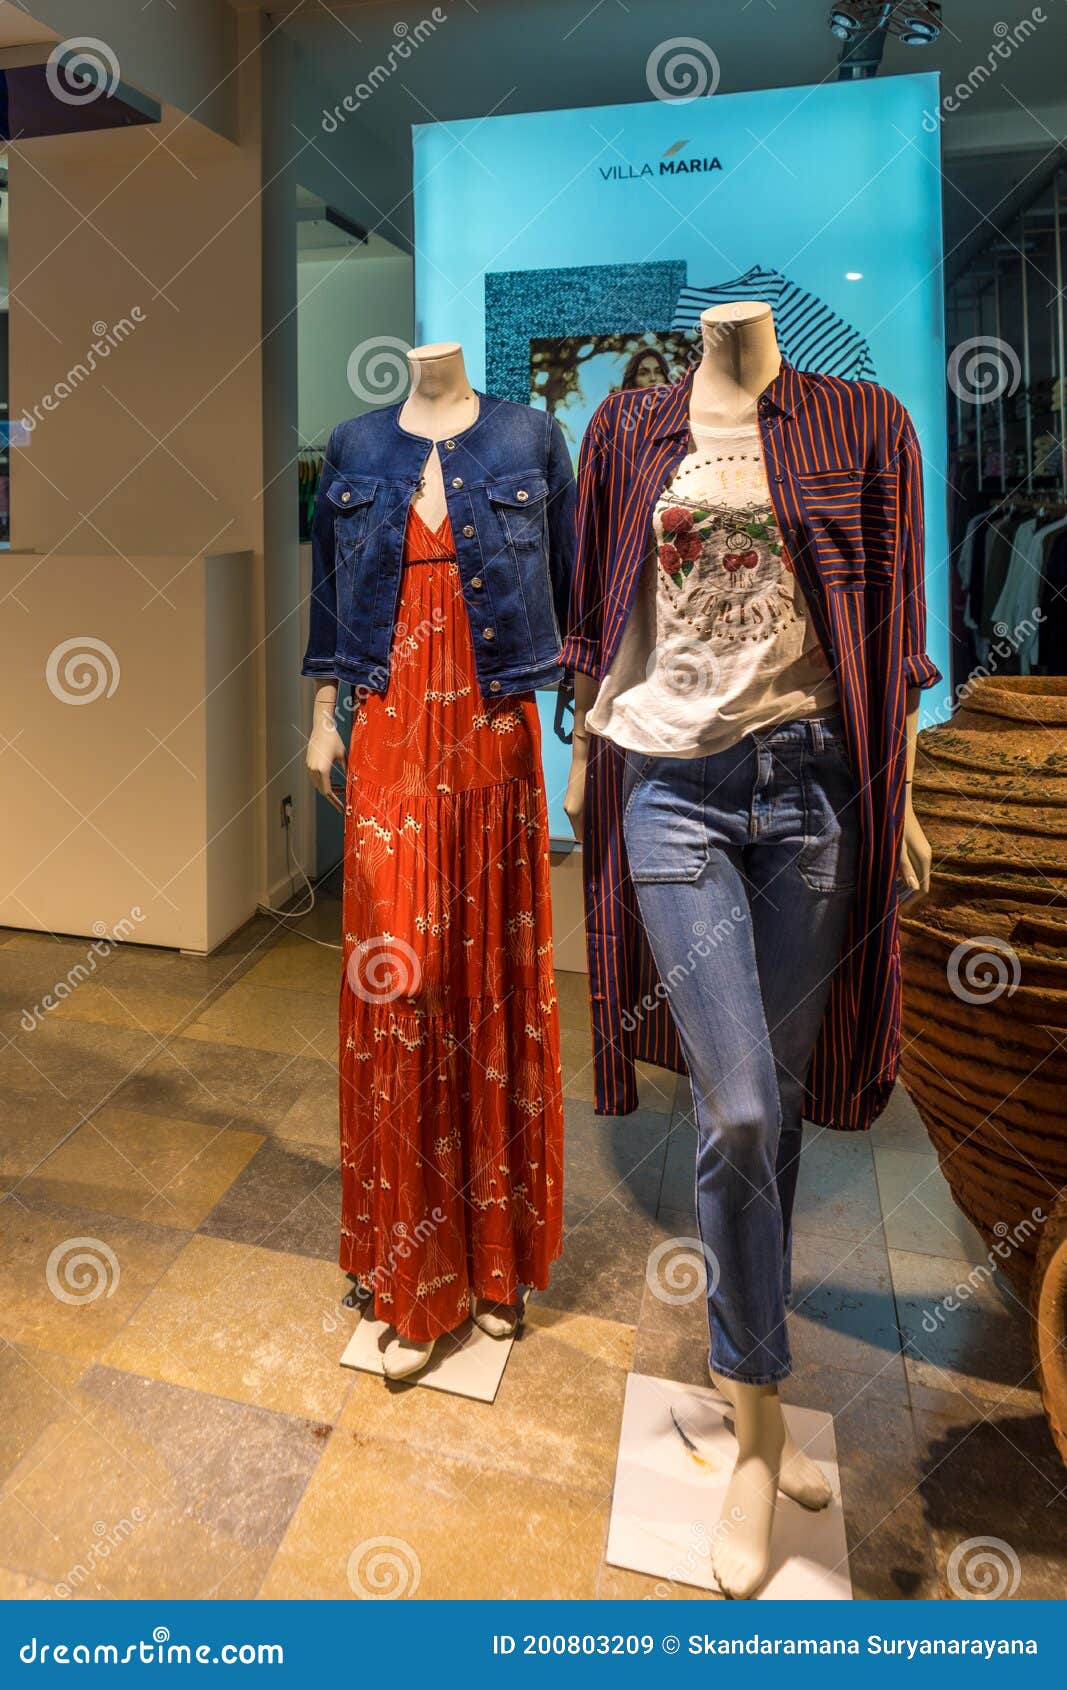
<point>863,26</point>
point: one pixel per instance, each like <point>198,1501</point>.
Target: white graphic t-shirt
<point>719,641</point>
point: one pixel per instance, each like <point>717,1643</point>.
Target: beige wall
<point>128,789</point>
<point>154,355</point>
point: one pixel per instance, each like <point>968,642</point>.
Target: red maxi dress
<point>450,1093</point>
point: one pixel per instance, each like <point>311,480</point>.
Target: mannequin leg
<point>742,1551</point>
<point>799,1477</point>
<point>751,850</point>
<point>404,1357</point>
<point>687,870</point>
<point>801,902</point>
<point>500,1320</point>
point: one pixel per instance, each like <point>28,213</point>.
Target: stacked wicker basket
<point>985,987</point>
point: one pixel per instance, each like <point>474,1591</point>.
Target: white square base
<point>467,1362</point>
<point>669,1494</point>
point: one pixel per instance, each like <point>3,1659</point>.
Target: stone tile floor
<point>174,1419</point>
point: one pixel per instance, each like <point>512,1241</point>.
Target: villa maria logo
<point>670,164</point>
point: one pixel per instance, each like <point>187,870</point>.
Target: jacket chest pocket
<point>851,515</point>
<point>351,499</point>
<point>519,504</point>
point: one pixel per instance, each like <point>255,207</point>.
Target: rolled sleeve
<point>582,645</point>
<point>919,669</point>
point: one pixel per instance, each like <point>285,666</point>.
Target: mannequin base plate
<point>466,1363</point>
<point>675,1461</point>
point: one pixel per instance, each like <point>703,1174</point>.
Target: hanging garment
<point>811,336</point>
<point>845,478</point>
<point>451,1105</point>
<point>1052,639</point>
<point>1023,590</point>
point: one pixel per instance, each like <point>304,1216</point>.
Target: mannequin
<point>740,360</point>
<point>440,408</point>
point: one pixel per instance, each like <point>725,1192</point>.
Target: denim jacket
<point>509,486</point>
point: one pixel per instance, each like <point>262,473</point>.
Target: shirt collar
<point>672,412</point>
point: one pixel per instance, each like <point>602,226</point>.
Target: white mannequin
<point>440,403</point>
<point>740,358</point>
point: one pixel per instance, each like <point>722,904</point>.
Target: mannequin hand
<point>915,853</point>
<point>574,797</point>
<point>325,748</point>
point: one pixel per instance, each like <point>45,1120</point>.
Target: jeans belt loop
<point>818,735</point>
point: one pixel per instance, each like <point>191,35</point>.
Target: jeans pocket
<point>663,821</point>
<point>829,857</point>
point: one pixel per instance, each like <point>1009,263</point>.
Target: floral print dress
<point>450,1089</point>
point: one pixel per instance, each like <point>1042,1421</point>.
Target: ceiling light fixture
<point>864,26</point>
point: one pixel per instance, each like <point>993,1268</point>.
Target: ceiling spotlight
<point>863,26</point>
<point>853,275</point>
<point>845,21</point>
<point>918,26</point>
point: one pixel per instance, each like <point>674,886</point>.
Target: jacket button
<point>476,581</point>
<point>457,481</point>
<point>345,498</point>
<point>522,495</point>
<point>468,532</point>
<point>488,634</point>
<point>779,478</point>
<point>450,445</point>
<point>494,686</point>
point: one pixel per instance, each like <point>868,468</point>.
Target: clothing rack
<point>1008,398</point>
<point>1007,404</point>
<point>309,461</point>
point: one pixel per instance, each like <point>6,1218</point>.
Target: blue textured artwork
<point>525,305</point>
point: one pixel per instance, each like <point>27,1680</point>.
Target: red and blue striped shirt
<point>845,477</point>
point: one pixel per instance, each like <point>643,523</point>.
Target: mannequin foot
<point>799,1476</point>
<point>500,1320</point>
<point>741,1556</point>
<point>404,1357</point>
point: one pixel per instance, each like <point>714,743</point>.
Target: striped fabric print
<point>845,479</point>
<point>811,336</point>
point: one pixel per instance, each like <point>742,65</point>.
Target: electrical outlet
<point>287,811</point>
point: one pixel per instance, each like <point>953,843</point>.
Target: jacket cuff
<point>920,672</point>
<point>319,668</point>
<point>578,653</point>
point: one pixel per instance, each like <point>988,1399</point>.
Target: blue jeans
<point>744,865</point>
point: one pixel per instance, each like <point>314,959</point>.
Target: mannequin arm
<point>585,691</point>
<point>325,745</point>
<point>915,852</point>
